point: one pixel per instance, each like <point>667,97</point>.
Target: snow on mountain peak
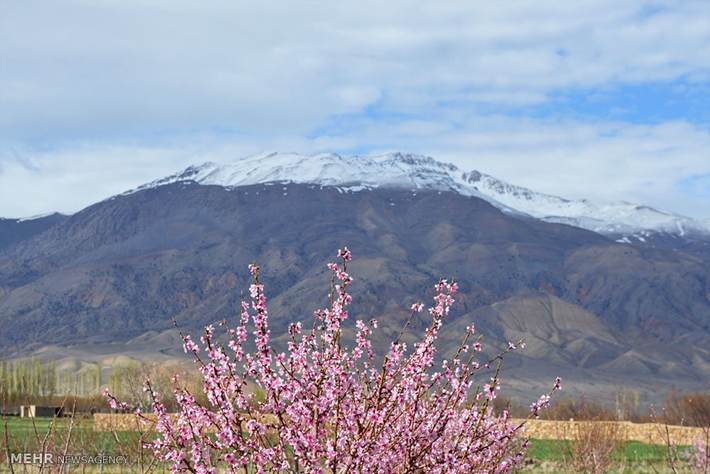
<point>411,171</point>
<point>327,169</point>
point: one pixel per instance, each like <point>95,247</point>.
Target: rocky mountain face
<point>601,313</point>
<point>13,231</point>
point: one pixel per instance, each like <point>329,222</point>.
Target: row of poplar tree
<point>34,378</point>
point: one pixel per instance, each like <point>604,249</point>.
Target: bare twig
<point>7,450</point>
<point>69,432</point>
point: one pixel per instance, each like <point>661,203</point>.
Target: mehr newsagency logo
<point>60,459</point>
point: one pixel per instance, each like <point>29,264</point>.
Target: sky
<point>606,99</point>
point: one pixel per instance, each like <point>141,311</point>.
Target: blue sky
<point>602,99</point>
<point>643,103</point>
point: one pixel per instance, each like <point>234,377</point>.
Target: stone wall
<point>649,433</point>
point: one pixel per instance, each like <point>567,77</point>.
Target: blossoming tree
<point>329,408</point>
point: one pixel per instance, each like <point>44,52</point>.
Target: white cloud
<point>601,161</point>
<point>97,97</point>
<point>120,68</point>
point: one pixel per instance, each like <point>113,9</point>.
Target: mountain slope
<point>114,274</point>
<point>13,231</point>
<point>416,172</point>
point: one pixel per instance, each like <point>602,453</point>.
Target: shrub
<point>593,445</point>
<point>328,408</point>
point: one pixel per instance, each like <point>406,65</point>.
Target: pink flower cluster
<point>329,408</point>
<point>700,454</point>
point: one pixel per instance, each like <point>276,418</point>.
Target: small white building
<point>34,411</point>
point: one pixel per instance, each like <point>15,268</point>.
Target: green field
<point>27,432</point>
<point>546,455</point>
<point>28,436</point>
<point>631,451</point>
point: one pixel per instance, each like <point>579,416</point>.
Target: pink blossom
<point>189,345</point>
<point>345,254</point>
<point>253,269</point>
<point>700,455</point>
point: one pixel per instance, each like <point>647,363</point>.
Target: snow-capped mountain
<point>353,173</point>
<point>613,218</point>
<point>409,171</point>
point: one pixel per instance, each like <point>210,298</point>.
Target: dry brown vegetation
<point>593,445</point>
<point>692,409</point>
<point>126,383</point>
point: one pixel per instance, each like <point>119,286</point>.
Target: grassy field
<point>78,438</point>
<point>24,435</point>
<point>631,451</point>
<point>26,432</point>
<point>548,456</point>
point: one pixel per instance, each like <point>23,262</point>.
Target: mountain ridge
<point>416,172</point>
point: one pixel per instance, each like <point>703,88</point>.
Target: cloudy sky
<point>605,99</point>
